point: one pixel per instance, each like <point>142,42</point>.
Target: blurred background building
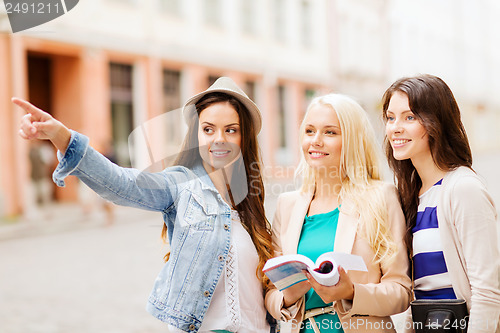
<point>108,66</point>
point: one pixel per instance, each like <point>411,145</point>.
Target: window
<point>172,102</point>
<point>121,110</point>
<point>309,94</point>
<point>171,6</point>
<point>171,89</point>
<point>248,17</point>
<point>306,22</point>
<point>281,116</point>
<point>279,20</point>
<point>249,89</point>
<point>211,79</point>
<point>212,12</point>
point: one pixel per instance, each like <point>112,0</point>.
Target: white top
<point>432,279</point>
<point>233,308</point>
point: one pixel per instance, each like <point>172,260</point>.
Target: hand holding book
<point>287,270</point>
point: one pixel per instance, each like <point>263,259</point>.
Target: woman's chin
<point>218,163</point>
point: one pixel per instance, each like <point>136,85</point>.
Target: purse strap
<point>412,268</point>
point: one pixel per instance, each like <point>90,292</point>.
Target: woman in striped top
<point>451,218</point>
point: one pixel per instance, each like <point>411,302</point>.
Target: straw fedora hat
<point>226,85</point>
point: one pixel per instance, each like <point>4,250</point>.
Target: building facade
<point>108,67</point>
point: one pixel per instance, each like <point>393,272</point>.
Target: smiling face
<point>406,134</point>
<point>322,139</point>
<point>219,135</point>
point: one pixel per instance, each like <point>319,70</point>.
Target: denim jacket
<point>198,221</point>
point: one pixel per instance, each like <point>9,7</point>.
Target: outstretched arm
<point>38,124</point>
<point>123,186</point>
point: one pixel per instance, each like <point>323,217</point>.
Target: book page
<point>345,260</point>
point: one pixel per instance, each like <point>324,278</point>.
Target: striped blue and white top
<point>432,280</point>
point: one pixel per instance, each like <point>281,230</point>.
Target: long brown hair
<point>251,208</point>
<point>433,103</point>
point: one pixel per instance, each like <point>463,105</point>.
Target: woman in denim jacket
<point>215,223</point>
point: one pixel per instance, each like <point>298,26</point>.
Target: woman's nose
<point>395,126</point>
<point>317,140</point>
<point>220,137</point>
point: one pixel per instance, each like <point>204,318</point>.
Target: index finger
<point>27,106</point>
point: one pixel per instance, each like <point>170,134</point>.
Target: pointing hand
<point>38,124</point>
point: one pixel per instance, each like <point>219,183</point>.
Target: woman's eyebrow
<point>210,124</point>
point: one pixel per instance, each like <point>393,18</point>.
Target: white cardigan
<point>468,229</point>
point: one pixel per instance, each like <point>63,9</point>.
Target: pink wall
<point>9,115</point>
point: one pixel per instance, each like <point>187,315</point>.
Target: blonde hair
<point>359,172</point>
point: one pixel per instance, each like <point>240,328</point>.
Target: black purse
<point>439,315</point>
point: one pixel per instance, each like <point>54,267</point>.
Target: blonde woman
<point>342,205</point>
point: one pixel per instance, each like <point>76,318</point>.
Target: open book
<point>285,271</point>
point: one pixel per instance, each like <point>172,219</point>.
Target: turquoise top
<point>317,237</point>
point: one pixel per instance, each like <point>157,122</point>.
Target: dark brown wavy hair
<point>435,107</point>
<point>251,208</point>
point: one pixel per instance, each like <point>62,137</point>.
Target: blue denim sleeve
<point>77,147</point>
<point>123,186</point>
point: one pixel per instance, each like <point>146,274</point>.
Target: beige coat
<point>378,293</point>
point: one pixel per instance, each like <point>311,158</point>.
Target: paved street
<point>90,279</point>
